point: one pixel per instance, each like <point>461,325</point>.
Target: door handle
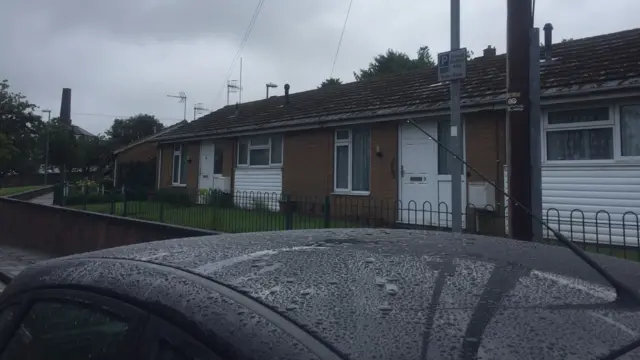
<point>401,170</point>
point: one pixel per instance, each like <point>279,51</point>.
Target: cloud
<point>123,57</point>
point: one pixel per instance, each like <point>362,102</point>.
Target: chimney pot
<point>286,92</point>
<point>65,106</point>
<point>489,51</point>
<point>548,41</point>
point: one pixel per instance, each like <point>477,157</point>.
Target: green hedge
<point>94,198</point>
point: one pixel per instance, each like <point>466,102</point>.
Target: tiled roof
<point>599,62</point>
<point>152,137</point>
<point>77,130</point>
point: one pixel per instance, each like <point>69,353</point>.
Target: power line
<point>247,33</point>
<point>120,116</point>
<point>344,27</point>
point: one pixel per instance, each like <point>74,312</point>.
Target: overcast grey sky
<point>122,57</point>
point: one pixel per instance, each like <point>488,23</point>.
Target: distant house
<point>351,141</point>
<point>139,152</point>
<point>80,132</point>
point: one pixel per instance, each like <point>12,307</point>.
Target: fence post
<point>326,211</point>
<point>124,203</point>
<point>161,215</point>
<point>113,196</point>
<point>288,213</point>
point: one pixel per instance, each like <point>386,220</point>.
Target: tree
<point>330,82</point>
<point>125,131</point>
<point>63,149</point>
<point>92,152</point>
<point>19,129</point>
<point>393,62</point>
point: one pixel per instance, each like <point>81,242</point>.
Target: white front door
<point>418,175</point>
<point>205,180</point>
<point>425,195</point>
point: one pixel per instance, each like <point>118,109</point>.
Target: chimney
<point>65,106</point>
<point>489,51</point>
<point>548,41</point>
<point>286,93</point>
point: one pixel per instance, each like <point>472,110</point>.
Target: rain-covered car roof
<point>374,294</point>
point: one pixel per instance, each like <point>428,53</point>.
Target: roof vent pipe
<point>286,93</point>
<point>548,41</point>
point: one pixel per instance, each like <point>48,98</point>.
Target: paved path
<point>44,199</point>
<point>13,260</point>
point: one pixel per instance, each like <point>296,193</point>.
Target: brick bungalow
<point>142,151</point>
<point>351,142</point>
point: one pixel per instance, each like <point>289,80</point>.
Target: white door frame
<point>212,144</point>
<point>439,177</point>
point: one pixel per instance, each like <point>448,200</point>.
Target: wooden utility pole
<point>518,116</point>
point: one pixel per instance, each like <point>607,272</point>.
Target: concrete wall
<point>60,231</point>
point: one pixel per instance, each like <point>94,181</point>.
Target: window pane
<point>444,157</point>
<point>360,169</point>
<point>587,144</point>
<point>176,148</point>
<point>342,135</point>
<point>258,141</point>
<point>444,137</point>
<point>259,157</point>
<point>176,169</point>
<point>630,130</point>
<point>342,167</point>
<point>183,165</point>
<point>64,331</point>
<point>218,153</point>
<point>276,150</point>
<point>243,152</point>
<point>579,116</point>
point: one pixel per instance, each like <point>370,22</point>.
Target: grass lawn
<point>17,190</point>
<point>231,220</point>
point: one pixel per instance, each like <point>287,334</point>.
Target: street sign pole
<point>455,165</point>
<point>452,66</point>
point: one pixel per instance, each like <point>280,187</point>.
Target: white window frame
<point>346,142</point>
<point>250,147</point>
<point>617,131</point>
<point>611,123</point>
<point>177,151</point>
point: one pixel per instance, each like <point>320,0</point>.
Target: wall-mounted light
<point>378,151</point>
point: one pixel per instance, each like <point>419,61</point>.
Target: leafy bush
<point>93,198</point>
<point>106,183</point>
<point>260,205</point>
<point>219,198</point>
<point>174,196</point>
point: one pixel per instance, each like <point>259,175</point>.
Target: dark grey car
<point>326,294</point>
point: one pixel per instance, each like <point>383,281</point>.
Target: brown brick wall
<point>308,174</point>
<point>193,153</point>
<point>60,231</point>
<point>193,168</point>
<point>308,163</point>
<point>166,167</point>
<point>485,147</point>
<point>143,152</point>
<point>486,152</point>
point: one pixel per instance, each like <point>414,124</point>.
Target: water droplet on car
<point>391,289</point>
